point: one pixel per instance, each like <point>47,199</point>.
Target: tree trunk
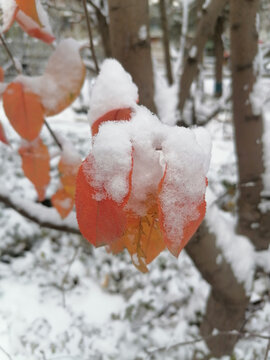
<point>226,305</point>
<point>204,32</point>
<point>130,44</point>
<point>218,44</point>
<point>166,40</point>
<point>248,125</point>
<point>103,28</point>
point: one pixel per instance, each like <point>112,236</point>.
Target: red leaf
<point>100,222</point>
<point>114,115</point>
<point>23,110</point>
<point>63,202</point>
<point>3,137</point>
<point>32,28</point>
<point>29,8</point>
<point>36,165</point>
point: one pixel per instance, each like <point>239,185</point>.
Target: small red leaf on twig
<point>36,165</point>
<point>23,110</point>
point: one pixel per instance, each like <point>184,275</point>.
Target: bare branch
<point>267,350</point>
<point>9,54</point>
<point>7,354</point>
<point>95,6</point>
<point>90,35</point>
<point>41,215</point>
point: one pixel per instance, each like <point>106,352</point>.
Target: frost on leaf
<point>36,165</point>
<point>63,77</point>
<point>24,111</point>
<point>143,185</point>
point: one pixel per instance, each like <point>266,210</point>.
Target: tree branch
<point>90,35</point>
<point>9,54</point>
<point>41,215</point>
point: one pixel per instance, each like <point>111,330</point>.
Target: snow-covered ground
<point>65,300</point>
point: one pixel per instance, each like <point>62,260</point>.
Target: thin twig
<point>4,351</point>
<point>90,35</point>
<point>94,6</point>
<point>267,350</point>
<point>53,135</point>
<point>10,54</point>
<point>65,277</point>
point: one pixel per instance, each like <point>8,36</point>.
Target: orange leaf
<point>3,137</point>
<point>175,244</point>
<point>143,238</point>
<point>29,8</point>
<point>113,115</point>
<point>36,165</point>
<point>23,110</point>
<point>100,222</point>
<point>63,202</point>
<point>68,169</point>
<point>32,28</point>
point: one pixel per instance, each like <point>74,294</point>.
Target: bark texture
<point>248,125</point>
<point>227,302</point>
<point>130,44</point>
<point>204,31</point>
<point>103,29</point>
<point>166,40</point>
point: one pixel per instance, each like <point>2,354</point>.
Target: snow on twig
<point>43,216</point>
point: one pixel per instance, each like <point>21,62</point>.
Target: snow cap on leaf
<point>112,90</point>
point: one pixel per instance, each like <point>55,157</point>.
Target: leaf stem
<point>90,35</point>
<point>53,134</point>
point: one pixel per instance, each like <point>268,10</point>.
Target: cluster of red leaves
<point>106,222</point>
<point>25,105</point>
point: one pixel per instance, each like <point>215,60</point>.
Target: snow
<point>142,33</point>
<point>206,4</point>
<point>8,8</point>
<point>231,244</point>
<point>193,52</point>
<point>112,86</point>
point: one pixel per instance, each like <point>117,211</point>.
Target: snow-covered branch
<point>43,216</point>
